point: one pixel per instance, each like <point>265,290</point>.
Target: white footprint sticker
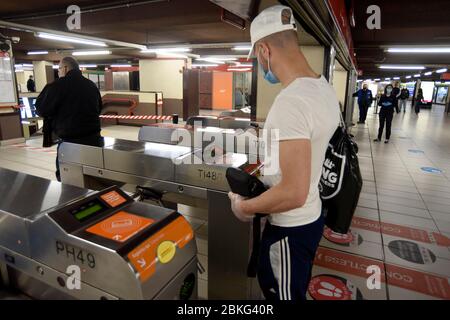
<point>329,290</point>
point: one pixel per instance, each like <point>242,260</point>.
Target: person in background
<point>365,99</point>
<point>419,101</point>
<point>71,105</point>
<point>404,95</point>
<point>387,105</point>
<point>31,86</point>
<point>305,114</point>
<point>396,93</point>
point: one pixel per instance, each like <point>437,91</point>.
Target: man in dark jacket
<point>396,93</point>
<point>365,99</point>
<point>404,95</point>
<point>72,105</point>
<point>388,105</point>
<point>31,86</point>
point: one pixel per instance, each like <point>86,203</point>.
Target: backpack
<point>341,182</point>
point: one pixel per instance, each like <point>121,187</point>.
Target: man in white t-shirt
<point>306,113</point>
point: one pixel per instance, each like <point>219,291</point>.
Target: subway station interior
<point>139,218</point>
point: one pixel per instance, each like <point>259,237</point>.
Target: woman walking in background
<point>419,101</point>
<point>387,103</point>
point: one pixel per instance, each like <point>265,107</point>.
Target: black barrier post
<point>175,118</point>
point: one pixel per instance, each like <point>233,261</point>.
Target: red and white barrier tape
<point>107,116</point>
<point>39,149</point>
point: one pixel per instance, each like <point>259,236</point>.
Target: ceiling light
<point>428,73</point>
<point>199,65</point>
<point>376,79</point>
<point>400,67</point>
<point>441,70</point>
<point>417,76</point>
<point>213,61</point>
<point>88,66</point>
<point>36,52</point>
<point>70,39</point>
<point>120,65</point>
<point>91,53</point>
<point>171,55</point>
<point>408,77</point>
<point>242,48</point>
<point>239,69</point>
<point>217,58</point>
<point>396,78</point>
<point>166,50</point>
<point>248,65</point>
<point>387,79</point>
<point>419,50</point>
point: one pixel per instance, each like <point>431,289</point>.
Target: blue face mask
<point>269,75</point>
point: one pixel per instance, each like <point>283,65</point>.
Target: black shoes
<point>386,141</point>
<point>376,140</point>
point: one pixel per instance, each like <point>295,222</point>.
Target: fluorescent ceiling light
<point>166,50</point>
<point>120,65</point>
<point>206,65</point>
<point>441,70</point>
<point>400,67</point>
<point>91,53</point>
<point>396,78</point>
<point>242,48</point>
<point>428,73</point>
<point>217,58</point>
<point>248,65</point>
<point>211,61</point>
<point>239,69</point>
<point>376,79</point>
<point>171,55</point>
<point>88,66</point>
<point>23,65</point>
<point>71,39</point>
<point>387,78</point>
<point>417,76</point>
<point>408,77</point>
<point>36,52</point>
<point>419,50</point>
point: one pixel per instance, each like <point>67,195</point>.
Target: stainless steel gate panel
<point>151,160</point>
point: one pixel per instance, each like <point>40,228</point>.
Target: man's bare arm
<point>292,191</point>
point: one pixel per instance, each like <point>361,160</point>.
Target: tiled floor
<point>403,217</point>
<point>401,225</point>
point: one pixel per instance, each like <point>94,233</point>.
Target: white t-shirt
<point>307,109</point>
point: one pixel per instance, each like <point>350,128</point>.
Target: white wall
<point>162,75</point>
<point>40,74</point>
<point>267,92</point>
<point>340,85</point>
<point>22,78</point>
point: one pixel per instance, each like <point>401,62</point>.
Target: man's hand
<point>236,207</point>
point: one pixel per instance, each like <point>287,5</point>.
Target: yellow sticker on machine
<point>160,247</point>
<point>166,251</point>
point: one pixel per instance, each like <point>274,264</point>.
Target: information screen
<point>88,210</point>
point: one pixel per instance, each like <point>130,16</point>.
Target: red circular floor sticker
<point>325,287</point>
<point>349,239</point>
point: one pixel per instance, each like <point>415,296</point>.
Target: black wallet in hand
<point>249,186</point>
